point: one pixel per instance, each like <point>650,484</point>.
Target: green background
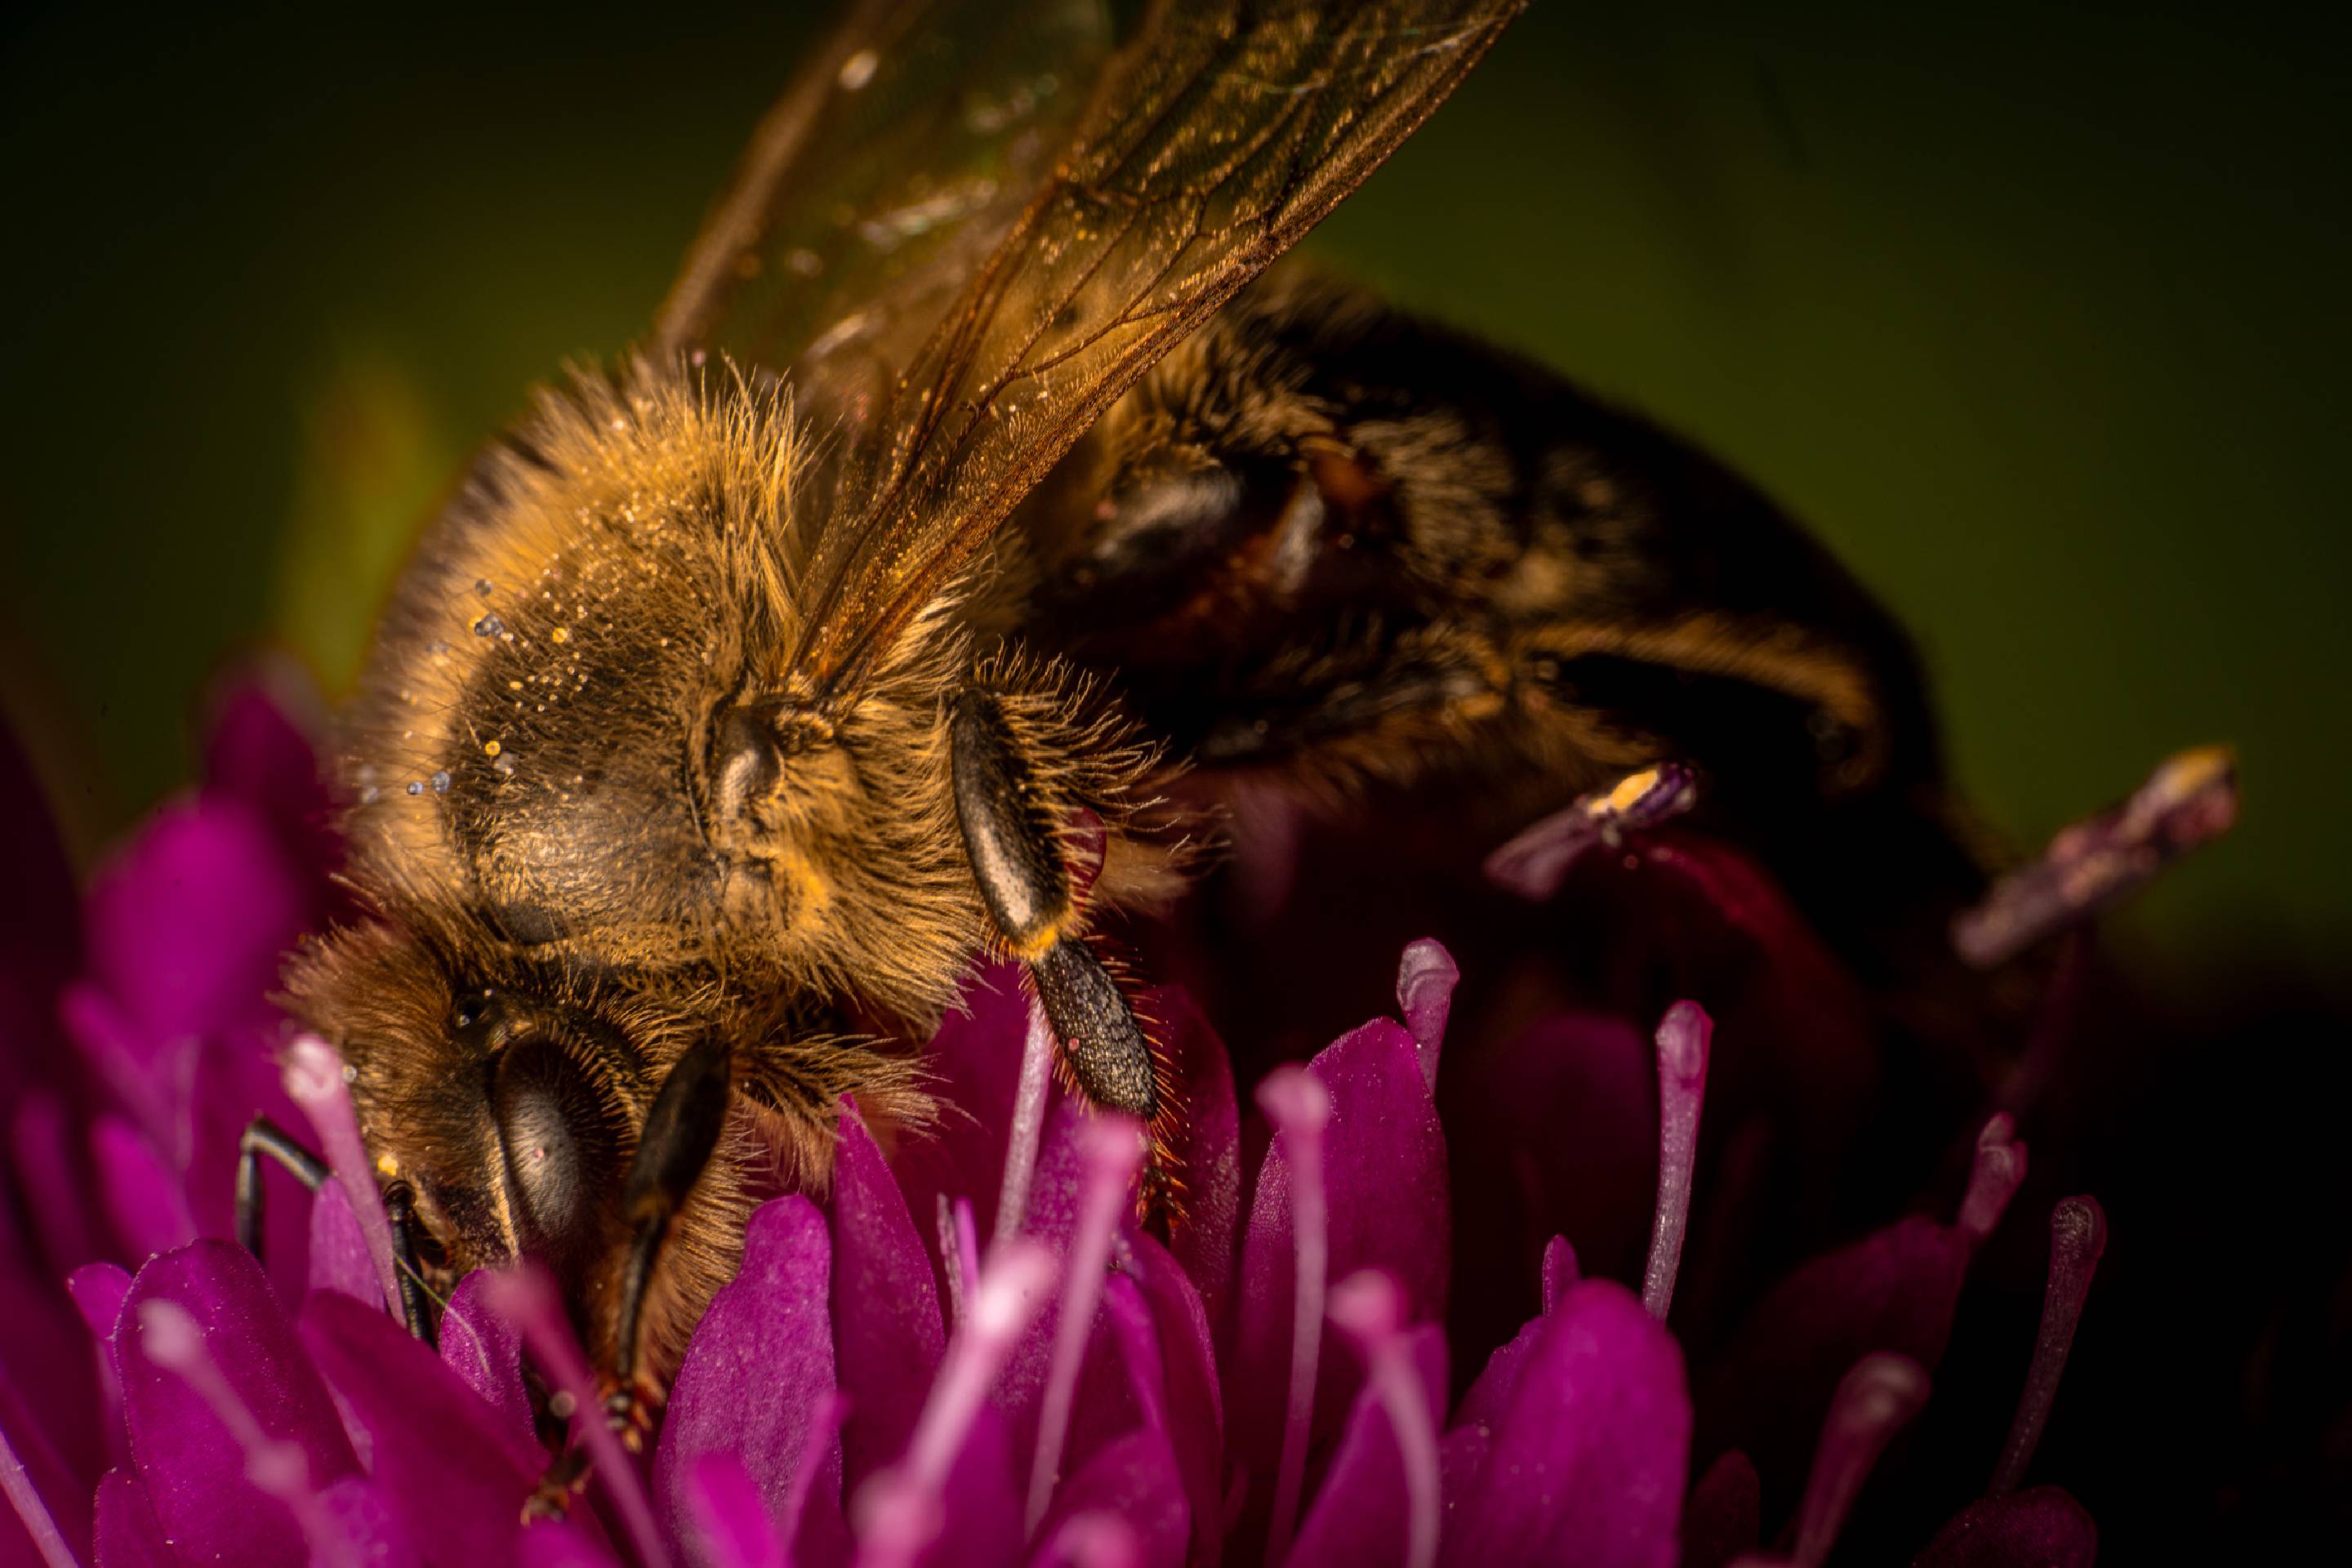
<point>2034,313</point>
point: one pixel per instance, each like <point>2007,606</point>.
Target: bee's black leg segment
<point>415,1304</point>
<point>1101,1041</point>
<point>681,1130</point>
<point>1011,833</point>
<point>263,1136</point>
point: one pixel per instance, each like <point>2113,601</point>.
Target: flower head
<point>972,1350</point>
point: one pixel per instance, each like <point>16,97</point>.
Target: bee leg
<point>1013,834</point>
<point>681,1131</point>
<point>263,1136</point>
<point>415,1301</point>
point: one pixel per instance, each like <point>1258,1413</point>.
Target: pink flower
<point>972,1351</point>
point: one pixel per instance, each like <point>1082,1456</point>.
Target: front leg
<point>1015,826</point>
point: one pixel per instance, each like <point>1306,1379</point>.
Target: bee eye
<point>559,1144</point>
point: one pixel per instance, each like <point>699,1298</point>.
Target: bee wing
<point>907,146</point>
<point>1218,137</point>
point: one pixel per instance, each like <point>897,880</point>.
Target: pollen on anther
<point>489,748</point>
<point>560,634</point>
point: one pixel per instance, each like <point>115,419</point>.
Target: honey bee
<point>982,471</point>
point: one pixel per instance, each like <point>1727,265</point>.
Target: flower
<point>972,1352</point>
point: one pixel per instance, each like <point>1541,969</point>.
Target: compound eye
<point>561,1150</point>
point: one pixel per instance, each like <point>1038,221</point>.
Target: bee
<point>982,472</point>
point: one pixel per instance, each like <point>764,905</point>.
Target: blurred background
<point>2033,312</point>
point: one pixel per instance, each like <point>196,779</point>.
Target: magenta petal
<point>759,1374</point>
<point>57,1184</point>
<point>1384,1172</point>
<point>1208,1146</point>
<point>981,1501</point>
<point>1360,1514</point>
<point>1589,1462</point>
<point>1123,1379</point>
<point>452,1473</point>
<point>193,1467</point>
<point>364,1519</point>
<point>1566,1119</point>
<point>127,1535</point>
<point>1722,1516</point>
<point>186,925</point>
<point>339,1253</point>
<point>1191,1401</point>
<point>559,1544</point>
<point>1135,1479</point>
<point>258,752</point>
<point>723,1517</point>
<point>885,1305</point>
<point>1769,1391</point>
<point>143,1196</point>
<point>975,1063</point>
<point>485,1351</point>
<point>97,1292</point>
<point>1426,980</point>
<point>2043,1527</point>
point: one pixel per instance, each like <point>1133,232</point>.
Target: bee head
<point>509,1100</point>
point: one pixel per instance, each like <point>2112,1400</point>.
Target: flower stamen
<point>1369,1309</point>
<point>525,1298</point>
<point>2078,1235</point>
<point>316,1080</point>
<point>1298,1105</point>
<point>1110,1148</point>
<point>1684,1036</point>
<point>32,1512</point>
<point>173,1342</point>
<point>1874,1401</point>
<point>898,1512</point>
<point>2190,799</point>
<point>1028,1127</point>
<point>1993,1179</point>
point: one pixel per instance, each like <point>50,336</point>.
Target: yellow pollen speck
<point>386,1167</point>
<point>560,634</point>
<point>1630,788</point>
<point>489,748</point>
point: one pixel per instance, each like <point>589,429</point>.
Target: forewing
<point>1220,136</point>
<point>910,141</point>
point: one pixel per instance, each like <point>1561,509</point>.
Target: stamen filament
<point>1993,1179</point>
<point>172,1341</point>
<point>1112,1150</point>
<point>1875,1400</point>
<point>897,1512</point>
<point>1298,1105</point>
<point>31,1510</point>
<point>525,1298</point>
<point>1369,1307</point>
<point>1091,1540</point>
<point>1683,1037</point>
<point>1028,1127</point>
<point>2078,1235</point>
<point>315,1080</point>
